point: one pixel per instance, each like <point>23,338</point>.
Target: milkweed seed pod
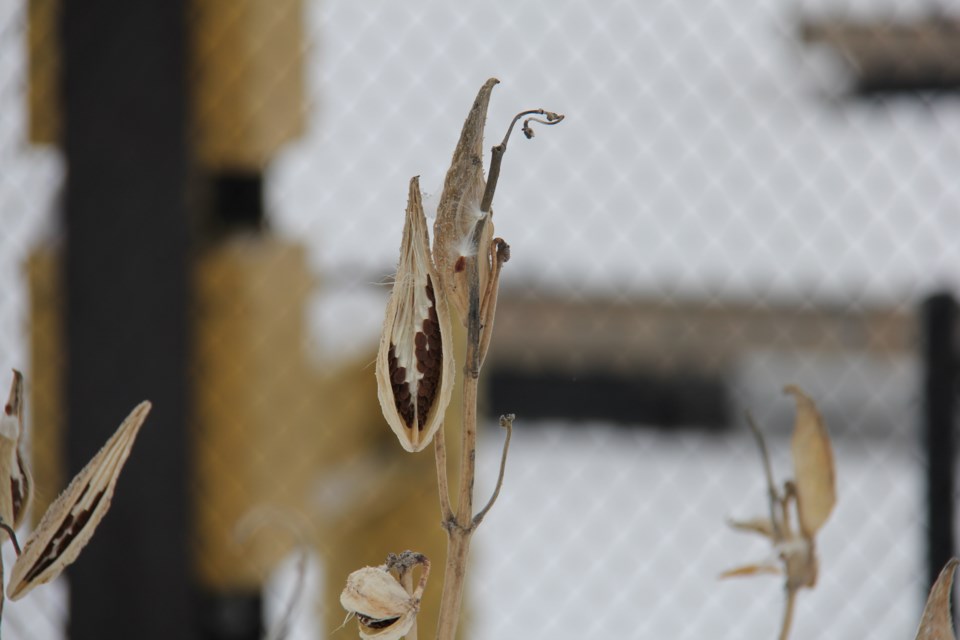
<point>69,523</point>
<point>813,467</point>
<point>459,209</point>
<point>936,623</point>
<point>16,484</point>
<point>415,368</point>
<point>812,493</point>
<point>384,610</point>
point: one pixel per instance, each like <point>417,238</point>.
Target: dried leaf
<point>763,526</point>
<point>16,484</point>
<point>936,623</point>
<point>69,523</point>
<point>814,474</point>
<point>459,209</point>
<point>415,367</point>
<point>751,570</point>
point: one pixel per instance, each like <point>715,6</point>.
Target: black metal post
<point>126,273</point>
<point>236,205</point>
<point>940,360</point>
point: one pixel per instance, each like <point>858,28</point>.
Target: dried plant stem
<point>443,485</point>
<point>460,527</point>
<point>776,520</point>
<point>788,614</point>
<point>507,423</point>
<point>12,535</point>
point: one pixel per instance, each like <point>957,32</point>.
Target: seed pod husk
<point>384,610</point>
<point>16,484</point>
<point>814,474</point>
<point>936,623</point>
<point>70,521</point>
<point>415,368</point>
<point>459,209</point>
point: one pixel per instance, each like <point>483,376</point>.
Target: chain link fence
<point>724,211</point>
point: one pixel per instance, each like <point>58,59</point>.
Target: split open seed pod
<point>936,623</point>
<point>459,209</point>
<point>384,610</point>
<point>16,484</point>
<point>70,521</point>
<point>415,367</point>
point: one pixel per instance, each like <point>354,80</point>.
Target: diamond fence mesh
<point>728,207</point>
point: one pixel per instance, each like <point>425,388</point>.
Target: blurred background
<point>201,203</point>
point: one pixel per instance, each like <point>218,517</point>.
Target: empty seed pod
<point>813,468</point>
<point>14,473</point>
<point>936,623</point>
<point>70,521</point>
<point>415,368</point>
<point>384,610</point>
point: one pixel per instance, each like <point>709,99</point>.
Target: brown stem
<point>788,614</point>
<point>440,457</point>
<point>458,547</point>
<point>507,423</point>
<point>460,528</point>
<point>493,175</point>
<point>776,520</point>
<point>12,535</point>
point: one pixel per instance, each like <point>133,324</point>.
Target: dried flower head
<point>70,521</point>
<point>383,608</point>
<point>415,368</point>
<point>15,476</point>
<point>812,494</point>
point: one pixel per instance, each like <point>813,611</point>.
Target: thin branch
<point>507,423</point>
<point>788,614</point>
<point>12,535</point>
<point>440,457</point>
<point>499,254</point>
<point>774,497</point>
<point>493,175</point>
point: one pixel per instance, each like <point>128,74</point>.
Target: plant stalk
<point>460,529</point>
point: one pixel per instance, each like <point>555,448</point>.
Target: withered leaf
<point>70,521</point>
<point>763,526</point>
<point>814,474</point>
<point>415,367</point>
<point>936,623</point>
<point>459,209</point>
<point>751,570</point>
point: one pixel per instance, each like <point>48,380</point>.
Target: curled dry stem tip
<point>506,422</point>
<point>549,118</point>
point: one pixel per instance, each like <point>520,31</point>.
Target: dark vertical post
<point>237,206</point>
<point>939,393</point>
<point>127,224</point>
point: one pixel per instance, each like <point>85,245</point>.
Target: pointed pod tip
<point>794,390</point>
